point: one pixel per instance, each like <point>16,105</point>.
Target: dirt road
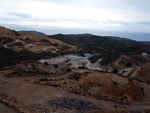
<point>6,109</point>
<point>135,72</point>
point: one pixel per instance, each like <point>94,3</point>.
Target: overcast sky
<point>98,15</point>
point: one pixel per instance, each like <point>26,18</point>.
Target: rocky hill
<point>17,46</point>
<point>33,42</point>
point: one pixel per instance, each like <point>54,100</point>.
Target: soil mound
<point>144,75</point>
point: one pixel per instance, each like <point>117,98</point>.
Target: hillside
<point>9,57</point>
<point>144,75</point>
<point>117,38</point>
<point>84,34</point>
<point>146,42</point>
<point>17,46</point>
<point>33,42</point>
<point>40,33</point>
<point>106,48</point>
<point>103,44</point>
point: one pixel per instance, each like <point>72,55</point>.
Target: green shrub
<point>115,106</point>
<point>55,65</point>
<point>43,79</point>
<point>115,70</point>
<point>85,89</point>
<point>68,70</point>
<point>45,63</point>
<point>129,64</point>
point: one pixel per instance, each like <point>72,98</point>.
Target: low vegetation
<point>16,44</point>
<point>7,40</point>
<point>102,45</point>
<point>9,57</point>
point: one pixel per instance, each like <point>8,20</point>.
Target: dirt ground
<point>118,79</point>
<point>6,109</point>
<point>146,88</point>
<point>28,93</point>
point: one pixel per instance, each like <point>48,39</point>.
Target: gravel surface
<point>63,105</point>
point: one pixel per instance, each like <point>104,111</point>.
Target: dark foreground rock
<point>63,105</point>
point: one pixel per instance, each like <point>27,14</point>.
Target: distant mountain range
<point>112,37</point>
<point>84,34</point>
<point>90,35</point>
<point>118,38</point>
<point>145,42</point>
<point>39,33</point>
<point>103,44</point>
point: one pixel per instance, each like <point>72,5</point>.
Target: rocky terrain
<point>33,42</point>
<point>36,76</point>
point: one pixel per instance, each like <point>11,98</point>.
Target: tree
<point>115,70</point>
<point>83,67</point>
<point>55,65</point>
<point>45,63</point>
<point>129,64</point>
<point>68,70</point>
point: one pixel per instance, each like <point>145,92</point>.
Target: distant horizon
<point>137,36</point>
<point>122,18</point>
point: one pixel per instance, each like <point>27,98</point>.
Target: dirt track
<point>27,93</point>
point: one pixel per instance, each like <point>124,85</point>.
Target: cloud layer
<point>123,15</point>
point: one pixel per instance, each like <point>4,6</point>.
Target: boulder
<point>20,110</point>
<point>16,106</point>
<point>5,101</point>
<point>11,104</point>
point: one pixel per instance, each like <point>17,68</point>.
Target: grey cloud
<point>20,15</point>
<point>144,23</point>
<point>63,2</point>
<point>135,23</point>
<point>15,16</point>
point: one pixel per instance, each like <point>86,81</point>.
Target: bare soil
<point>144,74</point>
<point>6,109</point>
<point>27,93</point>
<point>118,79</point>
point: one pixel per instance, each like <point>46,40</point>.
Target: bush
<point>85,89</point>
<point>45,63</point>
<point>81,67</point>
<point>43,79</point>
<point>68,70</point>
<point>115,106</point>
<point>129,64</point>
<point>115,70</point>
<point>75,76</point>
<point>55,65</point>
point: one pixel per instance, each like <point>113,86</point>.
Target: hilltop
<point>37,32</point>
